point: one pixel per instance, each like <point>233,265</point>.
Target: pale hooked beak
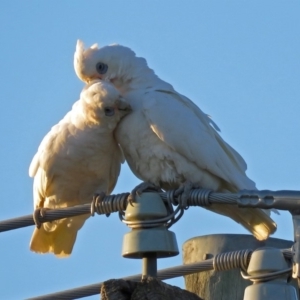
<point>93,78</point>
<point>124,106</point>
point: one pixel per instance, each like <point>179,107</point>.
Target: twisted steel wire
<point>266,277</point>
<point>198,197</point>
<point>167,221</point>
<point>50,215</point>
<point>118,203</point>
<point>232,260</point>
<point>221,262</point>
<point>93,289</point>
<point>111,203</point>
<point>201,197</point>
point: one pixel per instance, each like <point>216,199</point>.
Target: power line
<point>285,200</point>
<point>221,262</point>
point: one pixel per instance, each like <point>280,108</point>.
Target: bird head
<point>103,104</point>
<point>114,63</point>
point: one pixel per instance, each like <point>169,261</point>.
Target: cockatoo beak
<point>91,79</point>
<point>122,105</point>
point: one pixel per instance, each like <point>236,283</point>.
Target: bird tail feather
<point>255,220</point>
<point>60,239</point>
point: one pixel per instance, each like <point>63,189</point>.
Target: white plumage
<point>77,158</point>
<point>167,140</point>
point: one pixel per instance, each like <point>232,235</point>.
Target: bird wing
<point>178,122</point>
<point>46,160</point>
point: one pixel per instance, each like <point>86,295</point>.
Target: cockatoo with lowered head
<point>167,140</point>
<point>78,158</point>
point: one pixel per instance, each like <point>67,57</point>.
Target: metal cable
<point>50,215</point>
<point>166,221</point>
<point>232,260</point>
<point>265,277</point>
<point>111,203</point>
<point>287,253</point>
<point>201,197</point>
<point>80,292</point>
<point>117,203</point>
<point>221,262</point>
<point>285,200</point>
<point>93,289</point>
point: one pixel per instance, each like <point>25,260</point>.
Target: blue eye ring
<point>101,68</point>
<point>109,111</point>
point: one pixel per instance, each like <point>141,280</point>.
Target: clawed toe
<point>141,188</point>
<point>38,214</point>
<point>184,192</point>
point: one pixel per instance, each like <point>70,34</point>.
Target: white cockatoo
<point>78,158</point>
<point>167,140</point>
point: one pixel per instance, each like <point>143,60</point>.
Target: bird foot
<point>97,199</point>
<point>184,192</point>
<point>141,188</point>
<point>37,215</point>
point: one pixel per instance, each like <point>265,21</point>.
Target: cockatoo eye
<point>109,111</point>
<point>101,68</point>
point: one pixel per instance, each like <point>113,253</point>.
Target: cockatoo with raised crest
<point>167,140</point>
<point>78,158</point>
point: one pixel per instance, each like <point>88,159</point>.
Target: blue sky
<point>237,60</point>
